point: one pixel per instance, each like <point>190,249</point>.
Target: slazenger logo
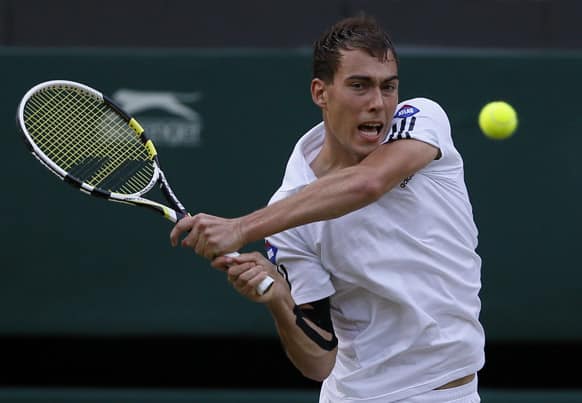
<point>167,117</point>
<point>406,111</point>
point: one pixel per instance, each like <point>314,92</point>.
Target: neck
<point>332,157</point>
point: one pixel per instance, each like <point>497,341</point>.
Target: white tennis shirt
<point>402,273</point>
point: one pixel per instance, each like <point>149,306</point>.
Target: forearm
<point>329,197</point>
<point>342,191</point>
<point>313,361</point>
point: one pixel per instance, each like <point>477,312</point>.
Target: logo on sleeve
<point>272,256</point>
<point>271,252</point>
<point>406,111</point>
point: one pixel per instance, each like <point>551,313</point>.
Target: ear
<point>319,92</point>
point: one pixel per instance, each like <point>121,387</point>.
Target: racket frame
<point>173,213</point>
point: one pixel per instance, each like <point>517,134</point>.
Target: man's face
<point>359,104</point>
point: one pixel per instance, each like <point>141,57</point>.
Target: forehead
<point>359,63</point>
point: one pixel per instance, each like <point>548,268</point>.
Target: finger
<point>249,281</point>
<point>236,270</point>
<point>199,245</point>
<point>209,252</point>
<point>221,262</point>
<point>253,257</point>
<point>175,235</point>
<point>257,279</point>
<point>180,227</point>
<point>240,275</point>
<point>248,274</point>
<point>190,239</point>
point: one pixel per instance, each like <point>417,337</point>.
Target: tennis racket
<point>88,141</point>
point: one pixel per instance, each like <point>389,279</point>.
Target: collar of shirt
<point>298,172</point>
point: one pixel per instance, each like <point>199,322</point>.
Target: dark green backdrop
<point>76,265</point>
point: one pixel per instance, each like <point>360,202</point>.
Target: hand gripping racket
<point>89,142</point>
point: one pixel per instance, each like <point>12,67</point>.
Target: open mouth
<point>370,129</point>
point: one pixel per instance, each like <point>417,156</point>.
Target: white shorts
<point>466,393</point>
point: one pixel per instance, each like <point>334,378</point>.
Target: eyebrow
<point>367,78</point>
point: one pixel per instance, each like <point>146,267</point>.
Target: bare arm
<point>342,191</point>
<point>244,273</point>
<point>331,196</point>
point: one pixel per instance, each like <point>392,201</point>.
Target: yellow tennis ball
<point>498,120</point>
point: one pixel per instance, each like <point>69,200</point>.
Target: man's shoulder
<point>422,101</point>
<point>421,119</point>
<point>419,105</point>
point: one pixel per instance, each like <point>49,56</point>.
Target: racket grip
<point>265,285</point>
<point>179,216</point>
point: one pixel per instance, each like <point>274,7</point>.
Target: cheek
<point>345,109</point>
<point>391,105</point>
<point>340,111</point>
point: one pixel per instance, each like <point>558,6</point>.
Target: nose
<point>376,99</point>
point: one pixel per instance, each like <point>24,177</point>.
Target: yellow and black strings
<point>88,139</point>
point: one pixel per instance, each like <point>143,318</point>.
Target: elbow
<point>319,368</point>
<point>318,374</point>
<point>371,189</point>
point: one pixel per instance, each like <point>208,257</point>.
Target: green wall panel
<point>72,264</point>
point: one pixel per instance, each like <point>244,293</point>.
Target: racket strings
<point>88,120</point>
<point>63,128</point>
<point>86,138</point>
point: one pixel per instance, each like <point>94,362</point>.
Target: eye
<point>389,88</point>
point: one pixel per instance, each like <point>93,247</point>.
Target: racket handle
<point>265,285</point>
<point>179,216</point>
<point>262,288</point>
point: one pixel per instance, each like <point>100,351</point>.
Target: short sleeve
<point>300,265</point>
<point>420,119</point>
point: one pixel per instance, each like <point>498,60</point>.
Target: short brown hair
<point>361,32</point>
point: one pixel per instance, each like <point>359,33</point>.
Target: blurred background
<point>96,306</point>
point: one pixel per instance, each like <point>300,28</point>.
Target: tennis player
<point>373,234</point>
